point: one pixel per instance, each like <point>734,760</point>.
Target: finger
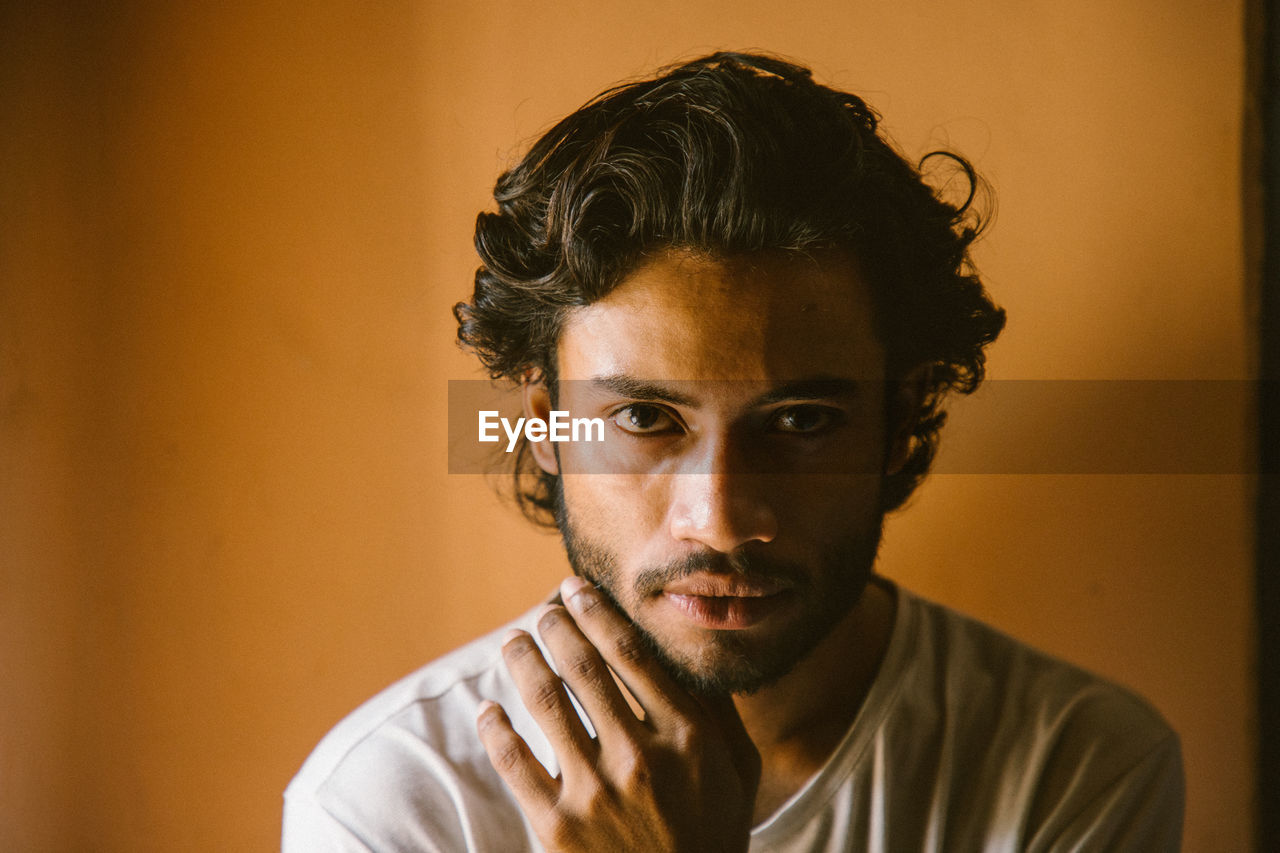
<point>585,671</point>
<point>544,696</point>
<point>529,781</point>
<point>620,644</point>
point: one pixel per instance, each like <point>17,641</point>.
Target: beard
<point>735,662</point>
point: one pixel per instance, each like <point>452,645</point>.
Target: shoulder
<point>420,701</point>
<point>1057,749</point>
<point>973,663</point>
<point>405,770</point>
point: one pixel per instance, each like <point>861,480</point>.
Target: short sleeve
<point>1139,810</point>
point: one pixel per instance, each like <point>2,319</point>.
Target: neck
<point>797,722</point>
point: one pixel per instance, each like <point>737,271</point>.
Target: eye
<point>643,419</point>
<point>806,420</point>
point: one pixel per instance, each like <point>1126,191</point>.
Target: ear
<point>904,404</point>
<point>537,404</point>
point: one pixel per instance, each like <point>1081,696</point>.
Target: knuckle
<point>559,830</point>
<point>592,796</point>
<point>546,696</point>
<point>588,673</point>
<point>629,648</point>
<point>596,804</point>
<point>684,735</point>
<point>634,769</point>
<point>508,758</point>
<point>583,666</point>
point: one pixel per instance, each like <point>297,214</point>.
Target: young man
<point>764,305</point>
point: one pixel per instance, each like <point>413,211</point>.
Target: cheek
<point>621,512</point>
<point>821,506</point>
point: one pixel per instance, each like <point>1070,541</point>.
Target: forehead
<point>765,316</point>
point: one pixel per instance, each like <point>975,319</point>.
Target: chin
<point>722,666</point>
<point>723,662</point>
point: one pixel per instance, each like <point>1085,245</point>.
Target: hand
<point>682,779</point>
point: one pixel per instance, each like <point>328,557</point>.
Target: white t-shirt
<point>967,741</point>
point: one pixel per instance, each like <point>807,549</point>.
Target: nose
<point>719,505</point>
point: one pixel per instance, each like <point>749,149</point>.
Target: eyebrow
<point>815,388</point>
<point>636,389</point>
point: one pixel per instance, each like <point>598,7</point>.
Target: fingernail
<point>513,634</point>
<point>486,706</point>
<point>570,587</point>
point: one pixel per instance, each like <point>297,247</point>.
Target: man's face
<point>732,510</point>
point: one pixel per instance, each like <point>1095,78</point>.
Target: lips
<point>725,586</point>
<point>724,602</point>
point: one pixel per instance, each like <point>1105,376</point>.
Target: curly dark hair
<point>731,153</point>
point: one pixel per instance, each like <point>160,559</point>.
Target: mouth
<point>724,602</point>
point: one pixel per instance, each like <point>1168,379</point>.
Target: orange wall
<point>231,237</point>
